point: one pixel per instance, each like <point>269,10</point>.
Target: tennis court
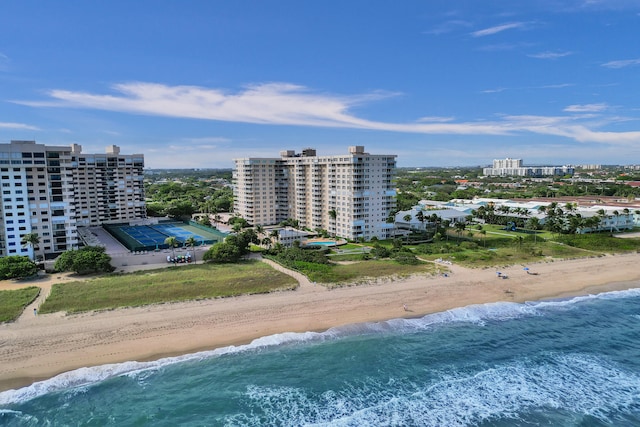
<point>152,237</point>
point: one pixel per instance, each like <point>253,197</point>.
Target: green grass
<point>13,303</point>
<point>481,258</point>
<point>349,246</point>
<point>600,242</point>
<point>366,271</point>
<point>166,285</point>
<point>500,250</point>
<point>346,257</point>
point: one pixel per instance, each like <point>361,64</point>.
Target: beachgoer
<point>35,311</point>
<point>405,307</point>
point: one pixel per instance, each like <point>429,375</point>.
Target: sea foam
<point>475,314</point>
<point>577,384</point>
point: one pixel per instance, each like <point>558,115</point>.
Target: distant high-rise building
<point>349,195</point>
<point>51,190</point>
<point>514,167</point>
<point>507,163</point>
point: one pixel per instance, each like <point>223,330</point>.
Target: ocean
<point>571,362</point>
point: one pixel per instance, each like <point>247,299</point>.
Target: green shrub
<point>469,245</point>
<point>406,258</point>
<point>16,267</point>
<point>425,248</point>
<point>86,260</point>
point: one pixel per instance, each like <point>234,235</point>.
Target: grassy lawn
<point>12,303</point>
<point>166,285</point>
<point>346,257</point>
<point>481,258</point>
<point>349,247</point>
<point>364,271</point>
<point>599,242</point>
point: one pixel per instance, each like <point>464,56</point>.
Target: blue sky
<point>439,83</point>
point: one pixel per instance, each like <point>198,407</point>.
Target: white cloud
<point>570,128</point>
<point>207,140</point>
<point>497,90</point>
<point>550,55</point>
<point>435,119</point>
<point>288,104</point>
<point>556,86</point>
<point>4,62</point>
<point>271,103</point>
<point>552,86</point>
<point>9,125</point>
<point>622,63</point>
<point>497,29</point>
<point>586,108</point>
<point>448,27</point>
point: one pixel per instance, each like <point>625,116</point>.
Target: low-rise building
<point>515,167</point>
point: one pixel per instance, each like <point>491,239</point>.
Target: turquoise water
<point>573,362</point>
<point>321,243</point>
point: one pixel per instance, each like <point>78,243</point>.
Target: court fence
<point>134,245</point>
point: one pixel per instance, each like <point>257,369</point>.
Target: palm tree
<point>31,239</point>
<point>460,227</point>
<point>274,235</point>
<point>191,241</point>
<point>519,240</point>
<point>391,218</point>
<point>259,229</point>
<point>445,225</point>
<point>484,237</point>
<point>172,241</point>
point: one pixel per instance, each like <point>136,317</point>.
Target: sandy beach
<point>39,347</point>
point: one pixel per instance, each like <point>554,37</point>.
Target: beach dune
<point>39,347</point>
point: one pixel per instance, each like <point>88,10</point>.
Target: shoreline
<point>35,348</point>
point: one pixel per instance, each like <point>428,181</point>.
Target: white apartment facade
<point>48,190</point>
<point>349,195</point>
<point>108,187</point>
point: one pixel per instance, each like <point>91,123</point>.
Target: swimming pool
<point>324,243</point>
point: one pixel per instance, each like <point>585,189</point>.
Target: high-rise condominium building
<point>51,190</point>
<point>349,195</point>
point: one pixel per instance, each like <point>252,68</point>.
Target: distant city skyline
<point>197,84</point>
